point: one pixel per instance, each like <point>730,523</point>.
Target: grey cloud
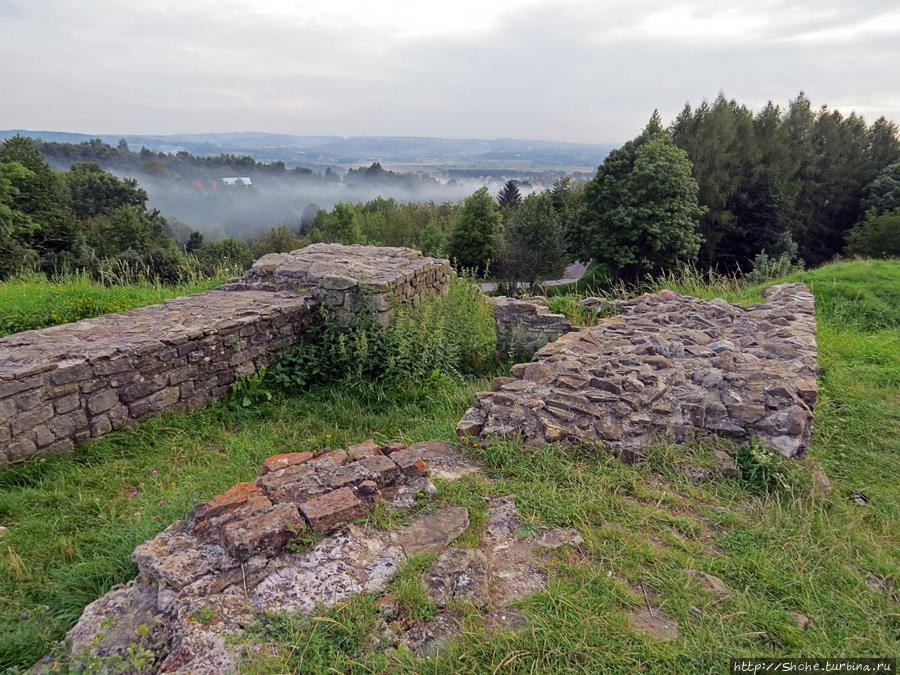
<point>565,71</point>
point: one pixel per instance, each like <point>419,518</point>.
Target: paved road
<point>571,274</point>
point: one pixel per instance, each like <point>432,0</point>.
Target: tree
<point>339,225</point>
<point>883,193</point>
<point>878,236</point>
<point>13,222</point>
<point>509,197</point>
<point>277,240</point>
<point>94,192</point>
<point>533,245</point>
<point>640,214</point>
<point>474,238</point>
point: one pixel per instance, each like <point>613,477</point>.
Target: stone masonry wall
<point>666,366</point>
<point>524,326</point>
<point>64,384</point>
<point>343,277</point>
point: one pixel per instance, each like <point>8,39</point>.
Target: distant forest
<point>721,187</point>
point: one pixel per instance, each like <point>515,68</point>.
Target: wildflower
<point>161,502</point>
<point>134,494</point>
<point>155,472</point>
<point>24,615</point>
<point>156,517</point>
<point>173,483</point>
<point>46,608</point>
<point>137,514</point>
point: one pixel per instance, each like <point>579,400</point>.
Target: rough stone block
<point>333,509</point>
<point>383,468</point>
<point>364,449</point>
<point>277,462</point>
<point>410,462</point>
<point>102,400</point>
<point>264,532</point>
<point>347,475</point>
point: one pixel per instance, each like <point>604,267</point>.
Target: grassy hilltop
<point>781,545</point>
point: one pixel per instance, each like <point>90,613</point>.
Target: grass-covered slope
<point>72,521</point>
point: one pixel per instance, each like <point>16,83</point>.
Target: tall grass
<point>34,301</point>
<point>73,520</point>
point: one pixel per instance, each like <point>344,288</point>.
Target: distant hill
<point>321,151</point>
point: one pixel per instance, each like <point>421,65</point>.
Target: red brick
<point>292,484</point>
<point>364,449</point>
<point>233,497</point>
<point>333,509</point>
<point>276,462</point>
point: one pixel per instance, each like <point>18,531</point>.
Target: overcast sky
<point>589,71</point>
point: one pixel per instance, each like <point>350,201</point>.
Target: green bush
<point>764,470</point>
<point>443,335</point>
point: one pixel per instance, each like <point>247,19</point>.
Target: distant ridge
<point>337,150</point>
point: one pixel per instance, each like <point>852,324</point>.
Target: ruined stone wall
<point>666,366</point>
<point>524,326</point>
<point>64,384</point>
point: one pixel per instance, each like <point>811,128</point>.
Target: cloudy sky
<point>568,70</point>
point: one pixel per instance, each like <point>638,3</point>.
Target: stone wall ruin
<point>666,366</point>
<point>67,383</point>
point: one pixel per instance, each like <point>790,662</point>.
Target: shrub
<point>764,470</point>
<point>443,335</point>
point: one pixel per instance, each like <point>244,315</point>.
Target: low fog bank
<point>246,211</point>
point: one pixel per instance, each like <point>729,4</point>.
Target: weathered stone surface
<point>109,625</point>
<point>666,364</point>
<point>459,574</point>
<point>364,449</point>
<point>264,532</point>
<point>800,620</point>
<point>202,579</point>
<point>349,475</point>
<point>277,462</point>
<point>444,460</point>
<point>117,369</point>
<point>410,462</point>
<point>205,628</point>
<point>431,533</point>
<point>293,484</point>
<point>523,327</point>
<point>382,468</point>
<point>333,509</point>
<point>176,558</point>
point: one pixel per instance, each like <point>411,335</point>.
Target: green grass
<point>33,301</point>
<point>72,524</point>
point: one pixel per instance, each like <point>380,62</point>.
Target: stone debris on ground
<point>665,366</point>
<point>204,580</point>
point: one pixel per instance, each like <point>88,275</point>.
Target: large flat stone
<point>432,533</point>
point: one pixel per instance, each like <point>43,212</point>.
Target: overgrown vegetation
<point>442,336</point>
<point>777,542</point>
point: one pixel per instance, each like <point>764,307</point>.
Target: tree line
<point>721,186</point>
